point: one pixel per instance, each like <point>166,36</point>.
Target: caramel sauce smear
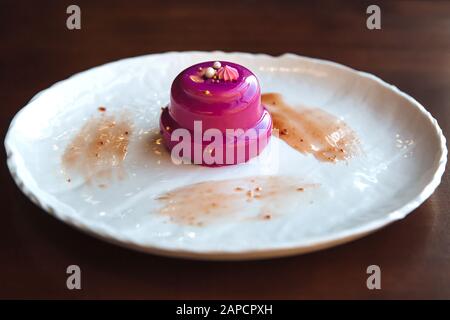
<point>99,148</point>
<point>201,203</point>
<point>312,130</point>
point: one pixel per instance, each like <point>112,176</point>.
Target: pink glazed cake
<point>218,95</point>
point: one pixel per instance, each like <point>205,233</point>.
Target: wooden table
<point>411,51</point>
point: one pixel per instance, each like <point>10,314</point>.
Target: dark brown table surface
<point>412,51</point>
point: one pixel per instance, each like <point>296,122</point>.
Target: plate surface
<point>402,160</point>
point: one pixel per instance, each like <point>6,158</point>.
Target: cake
<point>215,116</point>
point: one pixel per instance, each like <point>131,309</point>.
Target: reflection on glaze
<point>99,148</point>
<point>311,130</point>
<point>204,202</point>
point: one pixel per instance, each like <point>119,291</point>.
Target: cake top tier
<point>216,89</point>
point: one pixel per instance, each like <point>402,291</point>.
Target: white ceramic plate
<point>403,159</point>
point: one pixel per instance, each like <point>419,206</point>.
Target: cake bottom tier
<point>213,147</point>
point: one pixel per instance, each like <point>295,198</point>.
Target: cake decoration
<point>215,73</point>
<point>228,73</point>
<point>210,72</point>
<point>196,78</point>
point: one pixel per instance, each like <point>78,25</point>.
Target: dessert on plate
<point>215,116</point>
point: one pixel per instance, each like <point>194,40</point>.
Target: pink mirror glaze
<point>233,102</point>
